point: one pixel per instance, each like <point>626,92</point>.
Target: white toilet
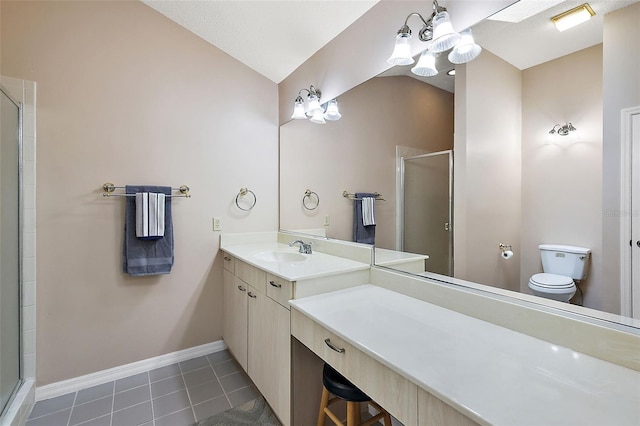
<point>561,265</point>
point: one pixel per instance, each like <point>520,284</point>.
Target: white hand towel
<point>368,214</point>
<point>149,214</point>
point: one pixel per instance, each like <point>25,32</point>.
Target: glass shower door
<point>9,248</point>
<point>427,212</point>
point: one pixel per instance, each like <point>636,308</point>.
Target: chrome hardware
<point>446,226</point>
<point>304,247</point>
<point>273,283</point>
<point>241,288</point>
<point>638,243</point>
<point>334,347</point>
<point>253,296</point>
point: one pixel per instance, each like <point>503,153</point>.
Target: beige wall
<point>358,153</point>
<point>127,96</point>
<point>487,171</point>
<point>621,88</point>
<point>562,179</point>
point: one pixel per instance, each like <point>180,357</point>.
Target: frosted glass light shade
<point>332,113</point>
<point>573,17</point>
<point>317,117</point>
<point>426,66</point>
<point>314,105</point>
<point>466,50</point>
<point>298,110</point>
<point>402,51</point>
<point>444,37</point>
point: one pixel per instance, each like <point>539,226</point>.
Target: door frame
<point>626,213</point>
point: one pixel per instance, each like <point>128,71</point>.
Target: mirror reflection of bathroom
<point>513,181</point>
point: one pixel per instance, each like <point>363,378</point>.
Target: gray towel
<point>362,234</point>
<point>147,257</point>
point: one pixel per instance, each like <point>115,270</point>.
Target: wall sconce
<point>439,31</point>
<point>573,17</point>
<point>562,130</point>
<point>314,111</point>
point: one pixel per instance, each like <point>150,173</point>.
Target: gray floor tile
<point>243,395</point>
<point>235,381</point>
<point>132,382</point>
<point>131,397</point>
<point>52,405</point>
<point>194,364</point>
<point>91,410</point>
<point>171,403</point>
<point>95,392</point>
<point>165,372</point>
<point>211,407</point>
<point>218,357</point>
<point>100,421</point>
<point>167,386</point>
<point>180,418</point>
<point>136,415</point>
<point>205,391</point>
<point>60,418</point>
<point>227,367</point>
<point>197,377</point>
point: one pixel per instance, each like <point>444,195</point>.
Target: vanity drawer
<point>228,262</point>
<point>398,395</point>
<point>251,275</point>
<point>280,290</point>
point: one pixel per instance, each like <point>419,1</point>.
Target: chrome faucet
<point>304,247</point>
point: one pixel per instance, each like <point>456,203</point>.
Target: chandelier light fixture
<point>314,111</point>
<point>562,130</point>
<point>439,31</point>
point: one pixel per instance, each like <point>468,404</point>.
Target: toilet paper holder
<point>506,250</point>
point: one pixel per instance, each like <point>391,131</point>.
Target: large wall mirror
<point>464,164</point>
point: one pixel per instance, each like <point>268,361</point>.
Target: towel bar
<point>109,188</point>
<point>351,196</point>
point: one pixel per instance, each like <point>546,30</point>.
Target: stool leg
<point>324,401</point>
<point>387,419</point>
<point>353,413</point>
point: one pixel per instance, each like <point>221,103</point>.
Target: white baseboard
<point>77,383</point>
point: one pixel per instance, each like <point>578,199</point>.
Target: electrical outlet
<point>217,224</point>
<point>327,220</point>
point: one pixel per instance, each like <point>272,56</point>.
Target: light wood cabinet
<point>235,316</point>
<point>256,327</point>
<point>432,411</point>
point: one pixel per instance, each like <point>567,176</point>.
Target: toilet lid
<point>551,280</point>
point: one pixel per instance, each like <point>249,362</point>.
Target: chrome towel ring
<point>308,201</point>
<point>243,193</point>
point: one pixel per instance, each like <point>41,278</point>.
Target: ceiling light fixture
<point>573,17</point>
<point>562,130</point>
<point>313,110</point>
<point>437,29</point>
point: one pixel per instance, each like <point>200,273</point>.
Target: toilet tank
<point>570,261</point>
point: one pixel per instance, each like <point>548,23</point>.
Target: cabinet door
<point>234,317</point>
<point>270,352</point>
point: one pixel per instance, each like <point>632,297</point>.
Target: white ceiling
<point>276,37</point>
<point>272,37</point>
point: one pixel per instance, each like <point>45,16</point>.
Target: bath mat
<point>256,412</point>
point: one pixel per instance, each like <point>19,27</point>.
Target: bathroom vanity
<point>428,353</point>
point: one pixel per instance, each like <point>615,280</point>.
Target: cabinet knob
<point>253,296</point>
<point>227,258</point>
<point>273,283</point>
<point>241,288</point>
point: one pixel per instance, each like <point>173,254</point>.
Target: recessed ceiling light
<point>573,17</point>
<point>451,72</point>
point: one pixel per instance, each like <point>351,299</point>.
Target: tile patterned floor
<point>176,395</point>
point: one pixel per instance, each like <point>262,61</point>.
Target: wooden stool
<point>342,389</point>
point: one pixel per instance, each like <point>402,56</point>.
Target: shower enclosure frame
<point>401,200</point>
<point>20,380</point>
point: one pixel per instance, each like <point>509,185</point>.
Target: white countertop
<point>315,265</point>
<point>385,257</point>
<point>491,374</point>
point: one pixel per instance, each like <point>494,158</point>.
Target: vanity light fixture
<point>437,29</point>
<point>573,17</point>
<point>562,130</point>
<point>313,110</point>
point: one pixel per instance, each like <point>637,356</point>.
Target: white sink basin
<point>281,256</point>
